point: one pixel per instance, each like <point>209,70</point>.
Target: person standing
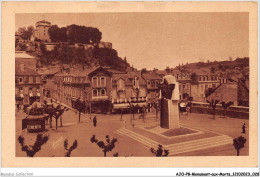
<point>95,121</point>
<point>244,128</point>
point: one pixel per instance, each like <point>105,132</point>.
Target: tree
<point>157,109</point>
<point>50,111</point>
<point>143,113</point>
<point>212,70</point>
<point>69,150</point>
<point>31,150</point>
<point>213,105</point>
<point>132,111</point>
<point>54,33</point>
<point>220,66</point>
<point>121,114</point>
<point>160,152</point>
<point>21,47</point>
<point>26,33</point>
<point>58,111</point>
<point>225,105</point>
<point>30,31</point>
<point>107,146</point>
<point>109,57</point>
<point>80,106</point>
<point>83,34</point>
<point>75,34</point>
<point>239,143</point>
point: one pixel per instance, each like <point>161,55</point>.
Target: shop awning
<point>126,105</point>
<point>34,94</point>
<point>19,96</point>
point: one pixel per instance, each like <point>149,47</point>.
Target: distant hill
<point>241,64</point>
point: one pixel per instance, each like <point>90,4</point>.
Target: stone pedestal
<point>169,94</point>
<point>169,117</point>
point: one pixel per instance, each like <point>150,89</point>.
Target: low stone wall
<point>233,111</point>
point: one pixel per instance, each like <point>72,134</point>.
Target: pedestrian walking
<point>125,123</point>
<point>244,128</point>
<point>17,105</point>
<point>95,121</point>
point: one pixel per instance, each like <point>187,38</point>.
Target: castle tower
<point>41,31</point>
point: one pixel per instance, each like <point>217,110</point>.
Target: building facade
<point>234,91</point>
<point>22,58</point>
<point>28,86</point>
<point>202,84</point>
<point>41,31</point>
<point>153,92</point>
<point>28,83</point>
<point>128,88</point>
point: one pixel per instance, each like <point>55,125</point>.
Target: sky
<point>161,39</point>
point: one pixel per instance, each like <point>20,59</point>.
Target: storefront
<point>19,100</point>
<point>101,106</point>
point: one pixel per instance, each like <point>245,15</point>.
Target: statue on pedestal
<point>169,99</point>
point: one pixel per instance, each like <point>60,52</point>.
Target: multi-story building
<point>70,86</point>
<point>101,87</point>
<point>41,31</point>
<point>202,83</point>
<point>153,92</point>
<point>47,79</point>
<point>234,91</point>
<point>92,86</point>
<point>30,62</point>
<point>184,79</point>
<point>128,88</point>
<point>28,83</point>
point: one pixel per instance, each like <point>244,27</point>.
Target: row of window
<point>28,79</point>
<point>205,87</point>
<point>96,92</point>
<point>152,83</point>
<point>98,81</point>
<point>72,91</point>
<point>206,78</point>
<point>184,88</point>
<point>26,90</point>
<point>73,79</point>
<point>183,76</point>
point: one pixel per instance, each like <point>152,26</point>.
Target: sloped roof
<point>231,82</point>
<point>129,77</point>
<point>201,71</point>
<point>48,71</point>
<point>150,75</point>
<point>161,72</point>
<point>116,77</point>
<point>114,71</point>
<point>25,72</point>
<point>24,55</point>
